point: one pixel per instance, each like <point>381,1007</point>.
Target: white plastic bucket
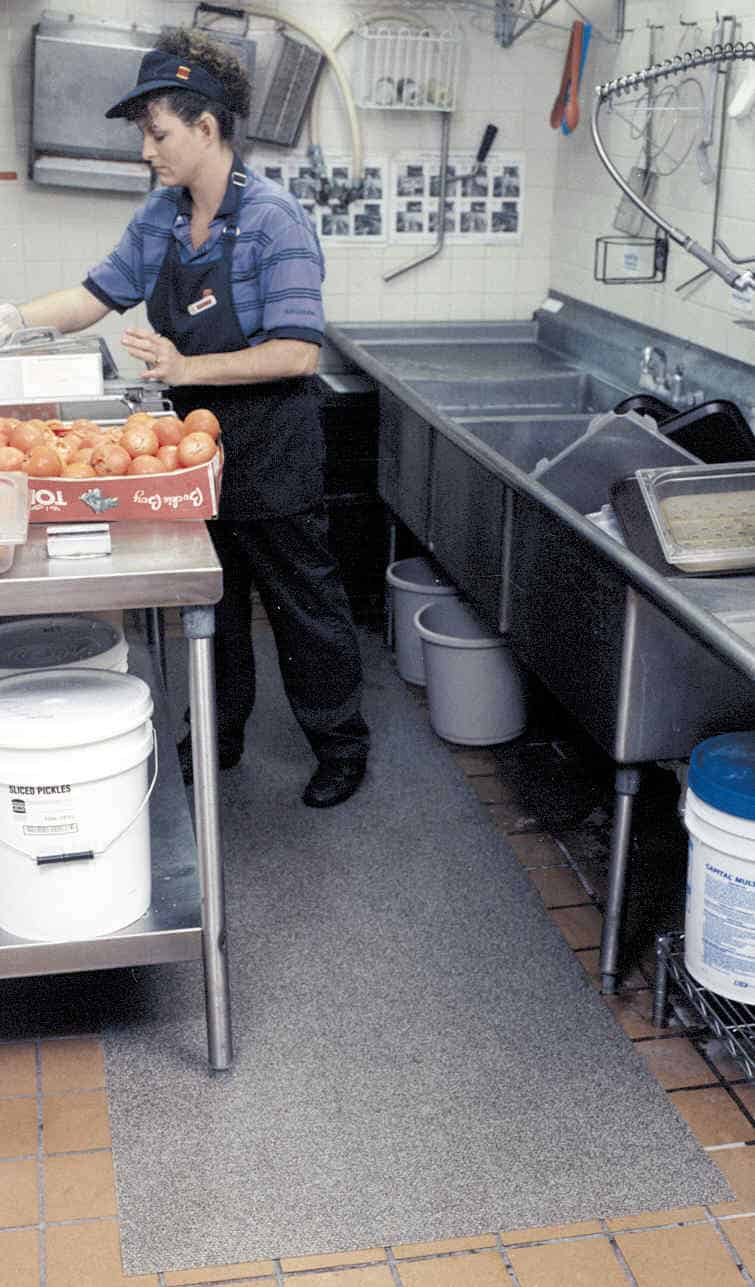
<point>46,643</point>
<point>413,582</point>
<point>74,811</point>
<point>475,692</point>
<point>719,940</point>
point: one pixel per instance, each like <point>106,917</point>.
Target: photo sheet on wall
<point>400,201</point>
<point>337,220</point>
<point>486,206</point>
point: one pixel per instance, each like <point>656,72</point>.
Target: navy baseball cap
<point>165,71</point>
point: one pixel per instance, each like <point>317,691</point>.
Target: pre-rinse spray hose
<point>736,52</point>
<point>346,94</point>
<point>314,111</point>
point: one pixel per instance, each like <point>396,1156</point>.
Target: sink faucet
<point>679,397</point>
<point>654,370</point>
<point>654,375</point>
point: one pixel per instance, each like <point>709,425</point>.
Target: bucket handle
<point>45,859</point>
<point>142,806</point>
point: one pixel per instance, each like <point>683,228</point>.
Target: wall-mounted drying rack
<point>681,63</point>
<point>514,17</point>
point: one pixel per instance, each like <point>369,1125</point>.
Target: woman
<point>231,271</point>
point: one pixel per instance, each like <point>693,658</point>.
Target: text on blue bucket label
<point>729,922</point>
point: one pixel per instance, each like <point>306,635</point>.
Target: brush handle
<point>486,144</point>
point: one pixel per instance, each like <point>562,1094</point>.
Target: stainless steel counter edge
<point>169,564</point>
<point>660,590</point>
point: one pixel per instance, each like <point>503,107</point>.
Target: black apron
<point>273,527</point>
<point>271,435</point>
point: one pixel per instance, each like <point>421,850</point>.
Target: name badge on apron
<point>207,300</point>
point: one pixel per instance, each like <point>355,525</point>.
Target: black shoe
<point>333,782</point>
<point>228,758</point>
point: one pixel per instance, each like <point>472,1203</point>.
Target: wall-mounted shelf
<point>406,68</point>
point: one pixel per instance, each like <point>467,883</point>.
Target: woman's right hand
<point>10,322</point>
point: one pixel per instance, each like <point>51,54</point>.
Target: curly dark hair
<point>199,48</point>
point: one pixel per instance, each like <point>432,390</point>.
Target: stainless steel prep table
<point>151,565</point>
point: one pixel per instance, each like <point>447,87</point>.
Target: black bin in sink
<point>715,432</point>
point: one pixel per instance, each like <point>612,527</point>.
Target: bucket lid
<point>419,574</point>
<point>46,709</point>
<point>41,643</point>
<point>722,773</point>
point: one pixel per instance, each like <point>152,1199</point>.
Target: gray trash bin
<point>413,583</point>
<point>475,689</point>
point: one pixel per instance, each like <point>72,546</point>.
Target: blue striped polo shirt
<point>277,265</point>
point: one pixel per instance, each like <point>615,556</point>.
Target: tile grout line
<point>574,866</point>
<point>395,1274</point>
<point>40,1164</point>
<point>278,1271</point>
<point>728,1245</point>
<point>618,1253</point>
<point>506,1258</point>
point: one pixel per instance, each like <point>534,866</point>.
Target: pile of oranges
<point>144,444</point>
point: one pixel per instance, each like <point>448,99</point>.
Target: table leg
<point>660,992</point>
<point>199,628</point>
<point>155,623</point>
<point>388,624</point>
<point>627,784</point>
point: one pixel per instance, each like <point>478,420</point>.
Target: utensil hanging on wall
<point>565,113</point>
<point>704,168</point>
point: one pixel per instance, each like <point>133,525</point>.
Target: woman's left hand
<point>161,357</point>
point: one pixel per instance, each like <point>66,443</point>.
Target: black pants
<point>289,561</point>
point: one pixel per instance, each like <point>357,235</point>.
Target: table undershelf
<point>171,930</point>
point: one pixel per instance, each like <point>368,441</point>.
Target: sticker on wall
<point>484,206</point>
<point>324,197</point>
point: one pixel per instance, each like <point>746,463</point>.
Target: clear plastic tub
<point>14,515</point>
<point>703,515</point>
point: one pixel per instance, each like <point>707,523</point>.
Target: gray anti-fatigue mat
<point>418,1054</point>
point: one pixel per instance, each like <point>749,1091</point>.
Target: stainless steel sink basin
<point>544,392</point>
<point>526,441</point>
<point>464,360</point>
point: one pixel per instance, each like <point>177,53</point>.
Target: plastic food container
<point>14,516</point>
<point>703,515</point>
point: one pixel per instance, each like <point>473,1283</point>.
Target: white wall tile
<point>498,305</point>
<point>569,197</point>
<point>586,195</point>
<point>497,86</point>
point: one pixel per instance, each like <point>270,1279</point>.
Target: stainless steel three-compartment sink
<point>467,411</point>
<point>524,420</point>
<point>538,394</point>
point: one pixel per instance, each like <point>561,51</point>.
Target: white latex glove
<point>10,322</point>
